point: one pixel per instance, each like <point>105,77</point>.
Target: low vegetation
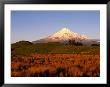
<point>27,48</point>
<point>54,60</point>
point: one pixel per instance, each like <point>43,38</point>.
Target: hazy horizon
<point>34,25</point>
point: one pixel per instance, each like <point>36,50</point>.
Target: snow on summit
<point>64,34</point>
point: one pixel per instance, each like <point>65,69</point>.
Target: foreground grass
<point>54,60</point>
<point>56,65</point>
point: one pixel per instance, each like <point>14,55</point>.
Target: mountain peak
<point>65,29</point>
<point>64,34</point>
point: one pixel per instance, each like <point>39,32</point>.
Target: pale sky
<point>34,25</point>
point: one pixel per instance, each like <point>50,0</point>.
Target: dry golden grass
<point>56,65</point>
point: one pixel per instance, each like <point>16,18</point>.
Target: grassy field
<point>54,60</point>
<point>25,48</point>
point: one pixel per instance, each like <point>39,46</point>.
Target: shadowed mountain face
<point>64,35</point>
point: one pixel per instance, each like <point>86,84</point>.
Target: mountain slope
<point>65,34</point>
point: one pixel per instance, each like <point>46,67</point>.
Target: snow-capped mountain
<point>66,34</point>
<point>63,35</point>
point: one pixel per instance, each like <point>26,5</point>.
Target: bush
<point>95,45</point>
<point>73,42</point>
